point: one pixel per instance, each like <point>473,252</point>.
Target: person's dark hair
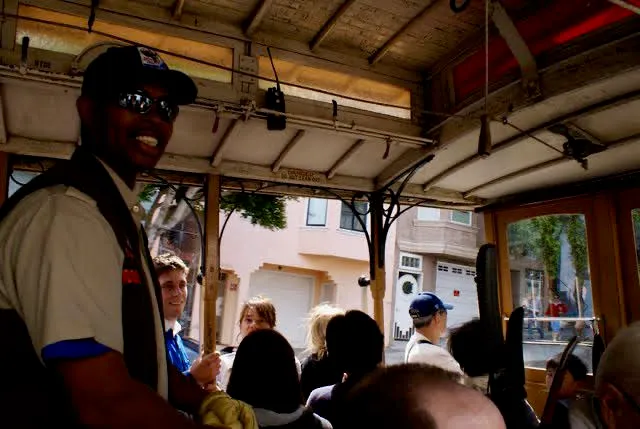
<point>394,397</point>
<point>355,342</point>
<point>468,345</point>
<point>264,373</point>
<point>576,367</point>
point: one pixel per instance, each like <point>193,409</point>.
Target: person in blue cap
<point>429,316</point>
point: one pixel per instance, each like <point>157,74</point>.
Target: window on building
<point>348,219</point>
<point>428,213</point>
<point>461,217</point>
<point>317,212</point>
<point>410,262</point>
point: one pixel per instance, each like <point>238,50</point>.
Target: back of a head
<point>355,342</point>
<point>319,318</point>
<point>620,363</point>
<point>417,396</point>
<point>575,366</point>
<point>468,345</point>
<point>264,373</point>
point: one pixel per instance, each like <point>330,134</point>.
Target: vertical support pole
<point>212,261</point>
<point>378,241</point>
<point>4,176</point>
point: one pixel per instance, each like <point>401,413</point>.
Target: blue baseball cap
<point>427,304</point>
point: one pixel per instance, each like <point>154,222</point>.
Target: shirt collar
<point>129,195</point>
<point>175,327</point>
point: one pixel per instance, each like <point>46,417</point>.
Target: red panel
<point>561,22</point>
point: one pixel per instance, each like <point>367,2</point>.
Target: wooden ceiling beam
<point>216,158</point>
<point>177,9</point>
<point>330,24</point>
<point>377,55</point>
<point>287,149</point>
<point>344,158</point>
<point>257,16</point>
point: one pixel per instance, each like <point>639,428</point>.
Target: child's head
<point>575,375</point>
<point>172,275</point>
<point>257,313</point>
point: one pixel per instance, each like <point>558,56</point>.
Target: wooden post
<point>4,176</point>
<point>378,275</point>
<point>212,262</point>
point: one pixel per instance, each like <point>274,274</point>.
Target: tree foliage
<point>267,211</point>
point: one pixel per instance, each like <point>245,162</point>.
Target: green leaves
<point>267,211</point>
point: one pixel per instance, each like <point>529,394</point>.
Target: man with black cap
<point>429,316</point>
<point>79,306</point>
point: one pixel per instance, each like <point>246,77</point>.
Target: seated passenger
<point>576,373</point>
<point>257,313</point>
<point>265,377</point>
<point>417,396</point>
<point>468,345</point>
<point>318,369</point>
<point>615,404</point>
<point>172,275</point>
<point>357,345</point>
<point>429,316</point>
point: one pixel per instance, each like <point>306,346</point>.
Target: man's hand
<point>205,369</point>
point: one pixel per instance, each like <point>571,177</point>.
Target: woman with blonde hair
<point>318,369</point>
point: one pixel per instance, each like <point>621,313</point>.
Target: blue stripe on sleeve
<point>74,349</point>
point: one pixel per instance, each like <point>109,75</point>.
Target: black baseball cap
<point>122,68</point>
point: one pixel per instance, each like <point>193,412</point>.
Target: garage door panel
<point>455,285</point>
<point>292,296</point>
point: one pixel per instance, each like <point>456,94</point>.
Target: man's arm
<point>184,392</point>
<point>104,395</point>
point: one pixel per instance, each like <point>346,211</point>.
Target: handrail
<point>560,319</point>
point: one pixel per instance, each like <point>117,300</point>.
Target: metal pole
<point>212,262</point>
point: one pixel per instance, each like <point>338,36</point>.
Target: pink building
<point>322,252</point>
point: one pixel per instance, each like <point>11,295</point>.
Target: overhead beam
<point>377,55</point>
<point>216,158</point>
<point>238,170</point>
<point>288,148</point>
<point>599,64</point>
<point>517,45</point>
<point>8,25</point>
<point>3,127</point>
<point>344,158</point>
<point>507,143</point>
<point>257,16</point>
<point>177,9</point>
<point>209,30</point>
<point>330,24</point>
<point>409,160</point>
<point>546,164</point>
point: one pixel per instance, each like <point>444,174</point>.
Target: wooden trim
<point>5,170</point>
<point>212,254</point>
<point>603,253</point>
<point>627,200</point>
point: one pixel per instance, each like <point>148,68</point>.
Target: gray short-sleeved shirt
<point>61,270</point>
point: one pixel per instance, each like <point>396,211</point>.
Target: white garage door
<point>292,296</point>
<point>455,285</point>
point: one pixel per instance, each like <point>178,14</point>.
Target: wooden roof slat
<point>330,24</point>
<point>377,55</point>
<point>345,157</point>
<point>589,110</point>
<point>257,16</point>
<point>283,154</point>
<point>177,9</point>
<point>216,158</point>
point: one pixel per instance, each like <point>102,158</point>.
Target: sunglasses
<point>140,102</point>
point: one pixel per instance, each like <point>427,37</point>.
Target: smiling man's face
<point>138,138</point>
<point>173,284</point>
<point>128,141</point>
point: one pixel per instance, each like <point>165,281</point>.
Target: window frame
<point>470,223</point>
<point>354,221</point>
<point>602,255</point>
<point>436,219</point>
<point>406,268</point>
<point>307,211</point>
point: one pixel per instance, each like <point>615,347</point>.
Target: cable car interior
<point>523,111</point>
